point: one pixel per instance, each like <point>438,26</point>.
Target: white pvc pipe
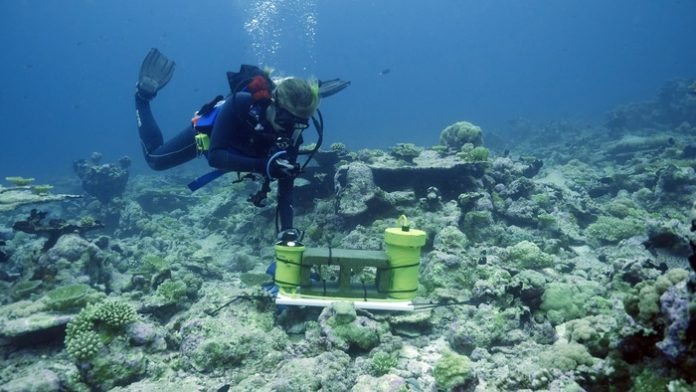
<point>399,306</point>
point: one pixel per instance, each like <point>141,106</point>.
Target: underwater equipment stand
<point>395,281</point>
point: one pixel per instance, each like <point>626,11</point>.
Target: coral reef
<point>575,272</point>
<point>103,181</point>
<point>13,197</point>
<point>457,135</point>
<point>55,228</point>
<point>673,108</point>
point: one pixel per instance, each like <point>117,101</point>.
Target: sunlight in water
<point>268,21</point>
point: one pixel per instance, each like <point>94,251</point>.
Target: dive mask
<point>289,121</point>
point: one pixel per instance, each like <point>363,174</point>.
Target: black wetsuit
<point>234,145</point>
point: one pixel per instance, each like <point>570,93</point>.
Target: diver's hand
<point>289,235</point>
<point>279,168</point>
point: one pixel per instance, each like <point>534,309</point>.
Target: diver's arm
<point>220,155</point>
<point>233,161</point>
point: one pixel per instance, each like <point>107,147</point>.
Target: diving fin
<point>155,73</point>
<point>330,87</point>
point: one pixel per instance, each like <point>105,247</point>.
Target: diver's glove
<point>155,72</point>
<point>279,168</point>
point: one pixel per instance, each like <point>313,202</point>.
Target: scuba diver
<point>257,128</point>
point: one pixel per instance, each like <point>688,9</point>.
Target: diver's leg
<point>150,134</point>
<point>160,155</point>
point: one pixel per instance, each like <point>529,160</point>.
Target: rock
<point>122,365</point>
<point>140,333</point>
<point>668,234</point>
<point>454,371</point>
<point>632,144</point>
<point>673,179</point>
<point>356,188</point>
<point>412,324</point>
<point>329,371</point>
<point>39,327</point>
<point>43,380</point>
<point>104,182</point>
<point>209,343</point>
<point>11,198</point>
<point>528,285</point>
<point>70,248</point>
<point>345,330</point>
<point>386,383</point>
<point>188,384</point>
<point>484,326</point>
<point>674,304</point>
<point>450,174</point>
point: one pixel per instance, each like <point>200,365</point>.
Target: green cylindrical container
<point>288,261</point>
<point>404,249</point>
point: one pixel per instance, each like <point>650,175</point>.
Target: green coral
<point>217,343</point>
<point>563,301</point>
<point>456,135</point>
<point>115,314</point>
<point>338,148</point>
<point>87,220</point>
<point>477,219</point>
<point>81,340</point>
<point>406,151</point>
<point>643,301</point>
<point>528,255</point>
<point>172,290</point>
<point>349,331</point>
<point>82,345</point>
<point>381,362</point>
<point>542,199</point>
<point>469,153</point>
<point>152,264</point>
<point>84,334</point>
<point>680,386</point>
<point>19,181</point>
<point>120,367</point>
<point>452,370</point>
<point>71,296</point>
<point>649,381</point>
<point>594,332</point>
<point>624,207</point>
<point>611,229</point>
<point>450,239</point>
<point>41,189</point>
<point>24,288</point>
<point>566,356</point>
<point>670,278</point>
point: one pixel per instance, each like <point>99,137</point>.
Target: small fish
<point>384,71</point>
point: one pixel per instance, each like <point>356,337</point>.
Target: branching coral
<point>85,335</point>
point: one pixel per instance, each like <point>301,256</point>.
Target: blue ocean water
<point>69,67</point>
